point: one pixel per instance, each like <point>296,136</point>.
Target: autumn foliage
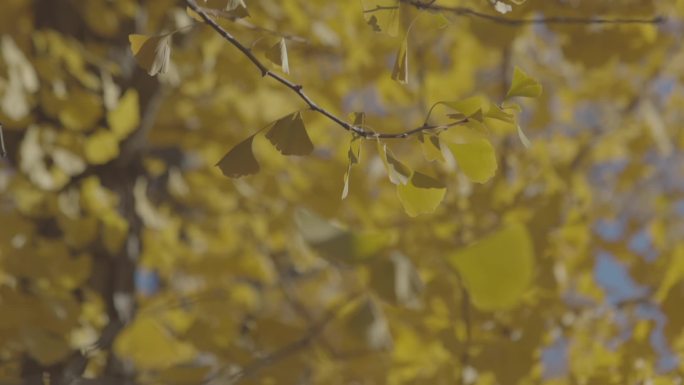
<point>363,192</point>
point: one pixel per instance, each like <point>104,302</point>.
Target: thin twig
<point>298,89</point>
<point>469,12</point>
<point>3,151</point>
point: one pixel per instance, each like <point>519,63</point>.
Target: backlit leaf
<point>474,154</point>
<point>421,195</point>
<point>398,173</point>
<point>497,269</point>
<point>289,135</point>
<point>151,52</point>
<point>240,160</point>
<point>432,149</point>
<point>523,85</point>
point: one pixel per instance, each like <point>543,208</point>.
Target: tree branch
<point>469,12</point>
<point>298,89</point>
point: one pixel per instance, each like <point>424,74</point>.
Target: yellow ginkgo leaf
<point>432,149</point>
<point>151,52</point>
<point>398,172</point>
<point>497,269</point>
<point>101,147</point>
<point>354,155</point>
<point>278,55</point>
<point>474,154</point>
<point>150,345</point>
<point>125,117</point>
<point>45,346</point>
<point>240,160</point>
<point>421,195</point>
<point>289,136</point>
<point>81,111</point>
<point>400,70</point>
<point>523,85</point>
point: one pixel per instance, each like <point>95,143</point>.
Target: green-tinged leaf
<point>354,154</point>
<point>400,70</point>
<point>467,107</point>
<point>496,113</point>
<point>240,160</point>
<point>421,195</point>
<point>335,243</point>
<point>432,148</point>
<point>398,173</point>
<point>278,55</point>
<point>497,269</point>
<point>474,154</point>
<point>151,52</point>
<point>523,85</point>
<point>289,136</point>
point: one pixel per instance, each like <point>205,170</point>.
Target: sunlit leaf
<point>125,117</point>
<point>432,149</point>
<point>150,345</point>
<point>151,52</point>
<point>474,154</point>
<point>398,173</point>
<point>240,160</point>
<point>421,195</point>
<point>497,269</point>
<point>523,85</point>
<point>101,147</point>
<point>289,135</point>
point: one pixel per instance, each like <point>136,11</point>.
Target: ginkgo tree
<point>315,192</point>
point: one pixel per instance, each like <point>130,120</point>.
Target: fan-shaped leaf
<point>151,52</point>
<point>289,135</point>
<point>421,195</point>
<point>240,160</point>
<point>523,85</point>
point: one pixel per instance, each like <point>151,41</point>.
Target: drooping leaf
<point>278,55</point>
<point>523,138</point>
<point>289,135</point>
<point>366,326</point>
<point>431,146</point>
<point>497,269</point>
<point>400,69</point>
<point>398,173</point>
<point>354,154</point>
<point>523,85</point>
<point>421,195</point>
<point>152,53</point>
<point>240,160</point>
<point>474,154</point>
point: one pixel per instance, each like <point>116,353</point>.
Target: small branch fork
<point>469,12</point>
<point>298,89</point>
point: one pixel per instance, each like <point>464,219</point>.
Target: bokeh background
<point>126,257</point>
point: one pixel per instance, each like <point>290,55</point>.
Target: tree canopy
<point>318,192</point>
